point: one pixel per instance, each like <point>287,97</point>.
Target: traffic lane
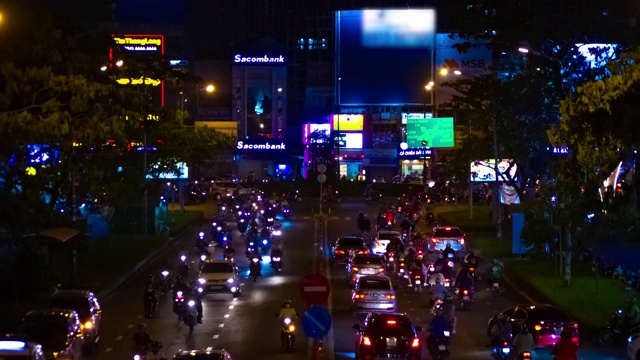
<point>124,310</point>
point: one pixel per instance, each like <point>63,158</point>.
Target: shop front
<point>414,163</point>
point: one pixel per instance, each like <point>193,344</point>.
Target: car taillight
<point>340,252</point>
<point>465,292</point>
<point>401,264</point>
<point>537,327</point>
<point>461,241</point>
<point>415,344</point>
<point>390,297</point>
<point>472,269</point>
<point>366,341</point>
<point>360,296</point>
<point>355,269</point>
<point>363,252</point>
<point>381,270</point>
<point>391,322</point>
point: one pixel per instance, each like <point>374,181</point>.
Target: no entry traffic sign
<point>316,322</point>
<point>315,289</point>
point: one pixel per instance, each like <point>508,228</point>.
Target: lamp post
<point>183,98</point>
<point>322,168</point>
<point>428,90</point>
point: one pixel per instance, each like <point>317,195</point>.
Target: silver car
<point>374,293</point>
<point>363,264</point>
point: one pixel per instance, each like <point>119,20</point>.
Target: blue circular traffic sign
<point>316,322</point>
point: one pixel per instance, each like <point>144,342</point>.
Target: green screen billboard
<point>430,132</point>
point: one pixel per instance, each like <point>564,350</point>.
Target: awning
<point>59,234</point>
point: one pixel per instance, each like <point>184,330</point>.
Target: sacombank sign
<point>241,145</point>
<point>259,60</point>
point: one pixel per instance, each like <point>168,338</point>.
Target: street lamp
<point>209,89</point>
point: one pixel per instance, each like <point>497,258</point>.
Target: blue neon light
<point>12,345</point>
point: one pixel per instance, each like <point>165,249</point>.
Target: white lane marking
<point>230,307</point>
<point>347,218</point>
<point>119,338</point>
<point>215,336</point>
<point>108,350</point>
<point>236,299</point>
<point>221,325</point>
<point>226,315</point>
<point>130,326</point>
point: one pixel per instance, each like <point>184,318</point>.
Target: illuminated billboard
<point>348,141</point>
<point>348,122</point>
<point>310,128</point>
<point>139,44</point>
<point>430,132</point>
<point>384,57</point>
<point>181,173</point>
<point>484,170</point>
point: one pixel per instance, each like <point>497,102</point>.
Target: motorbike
<point>165,282</point>
<point>613,330</point>
<point>178,304</point>
<point>251,247</point>
<point>191,316</point>
<point>390,260</point>
<point>265,245</point>
<point>503,351</point>
<point>254,268</point>
<point>293,195</point>
<point>466,299</point>
<point>150,302</point>
<point>183,268</point>
<point>402,270</point>
<point>203,259</point>
<point>437,304</point>
<point>441,347</point>
<point>269,222</point>
<point>525,355</point>
<point>285,212</point>
<point>331,196</point>
<point>276,260</point>
<point>495,287</point>
<point>373,196</point>
<point>417,283</point>
<point>431,217</point>
<point>201,238</point>
<point>242,225</point>
<point>228,253</point>
<point>288,334</point>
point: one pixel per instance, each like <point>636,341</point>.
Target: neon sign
<point>241,145</point>
<point>142,43</point>
<point>239,59</point>
<point>139,81</point>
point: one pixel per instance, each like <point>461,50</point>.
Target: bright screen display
<point>484,170</point>
<point>348,122</point>
<point>349,140</point>
<point>430,132</point>
<point>181,173</point>
<point>384,57</point>
<point>310,128</point>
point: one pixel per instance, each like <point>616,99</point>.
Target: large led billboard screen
<point>348,122</point>
<point>484,170</point>
<point>384,57</point>
<point>348,140</point>
<point>430,132</point>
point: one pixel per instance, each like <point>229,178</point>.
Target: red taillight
<point>461,241</point>
<point>360,296</point>
<point>415,344</point>
<point>355,269</point>
<point>472,269</point>
<point>447,228</point>
<point>363,252</point>
<point>391,322</point>
<point>390,297</point>
<point>575,325</point>
<point>401,264</point>
<point>433,240</point>
<point>381,270</point>
<point>465,292</point>
<point>340,252</point>
<point>366,341</point>
<point>526,355</point>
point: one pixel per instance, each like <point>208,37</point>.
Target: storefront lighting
<point>406,161</point>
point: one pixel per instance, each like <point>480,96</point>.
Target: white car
<point>383,238</point>
<point>219,276</point>
<point>633,346</point>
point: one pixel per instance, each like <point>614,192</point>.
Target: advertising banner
<point>484,170</point>
<point>348,140</point>
<point>384,56</point>
<point>430,132</point>
<point>348,122</point>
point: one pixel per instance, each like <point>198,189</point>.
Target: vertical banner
<point>517,224</point>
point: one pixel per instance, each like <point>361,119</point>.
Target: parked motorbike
<point>288,334</point>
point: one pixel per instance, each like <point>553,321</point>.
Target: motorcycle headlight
<point>629,339</point>
<point>202,280</point>
<point>203,257</point>
<point>287,321</point>
<point>251,243</point>
<point>261,211</point>
<point>219,228</point>
<point>183,258</point>
<point>230,280</point>
<point>135,357</point>
<point>264,242</point>
<point>224,208</point>
<point>292,328</point>
<point>191,303</point>
<point>239,212</point>
<point>277,232</point>
<point>88,325</point>
<point>275,259</point>
<point>201,234</point>
<point>165,273</point>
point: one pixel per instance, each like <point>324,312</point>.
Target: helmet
<point>142,327</point>
<point>286,302</point>
<point>365,215</point>
<point>495,261</point>
<point>448,245</point>
<point>472,252</point>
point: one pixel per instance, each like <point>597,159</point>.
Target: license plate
<point>418,282</point>
<point>215,287</point>
<point>368,271</point>
<point>466,297</point>
<point>442,347</point>
<point>496,285</point>
<point>392,342</point>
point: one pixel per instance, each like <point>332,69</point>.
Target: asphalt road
<point>247,327</point>
<point>470,340</point>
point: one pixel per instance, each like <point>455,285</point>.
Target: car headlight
<point>275,259</point>
<point>230,280</point>
<point>202,280</point>
<point>630,340</point>
<point>277,232</point>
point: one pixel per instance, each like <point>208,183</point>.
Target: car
<point>633,344</point>
<point>204,354</point>
<point>383,238</point>
<point>544,321</point>
<point>219,276</point>
<point>85,303</point>
<point>443,235</point>
<point>220,189</point>
<point>364,264</point>
<point>343,246</point>
<point>59,332</point>
<point>373,292</point>
<point>388,335</point>
<point>18,349</point>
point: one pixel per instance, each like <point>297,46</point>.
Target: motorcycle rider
<point>229,251</point>
<point>437,326</point>
<point>440,262</point>
<point>449,311</point>
<point>464,281</point>
<point>496,270</point>
<point>141,339</point>
<point>448,252</point>
<point>523,341</point>
<point>255,266</point>
<point>194,295</point>
<point>155,353</point>
<point>416,270</point>
<point>471,259</point>
<point>287,311</point>
<point>565,348</point>
<point>405,225</point>
<point>500,331</point>
<point>150,297</point>
<point>368,191</point>
<point>438,290</point>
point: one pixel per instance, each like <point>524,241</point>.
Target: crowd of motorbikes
<point>413,258</point>
<point>257,221</point>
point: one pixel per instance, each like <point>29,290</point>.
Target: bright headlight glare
<point>202,280</point>
<point>230,280</point>
<point>287,321</point>
<point>292,328</point>
<point>276,259</point>
<point>203,257</point>
<point>165,273</point>
<point>191,303</point>
<point>277,232</point>
<point>264,242</point>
